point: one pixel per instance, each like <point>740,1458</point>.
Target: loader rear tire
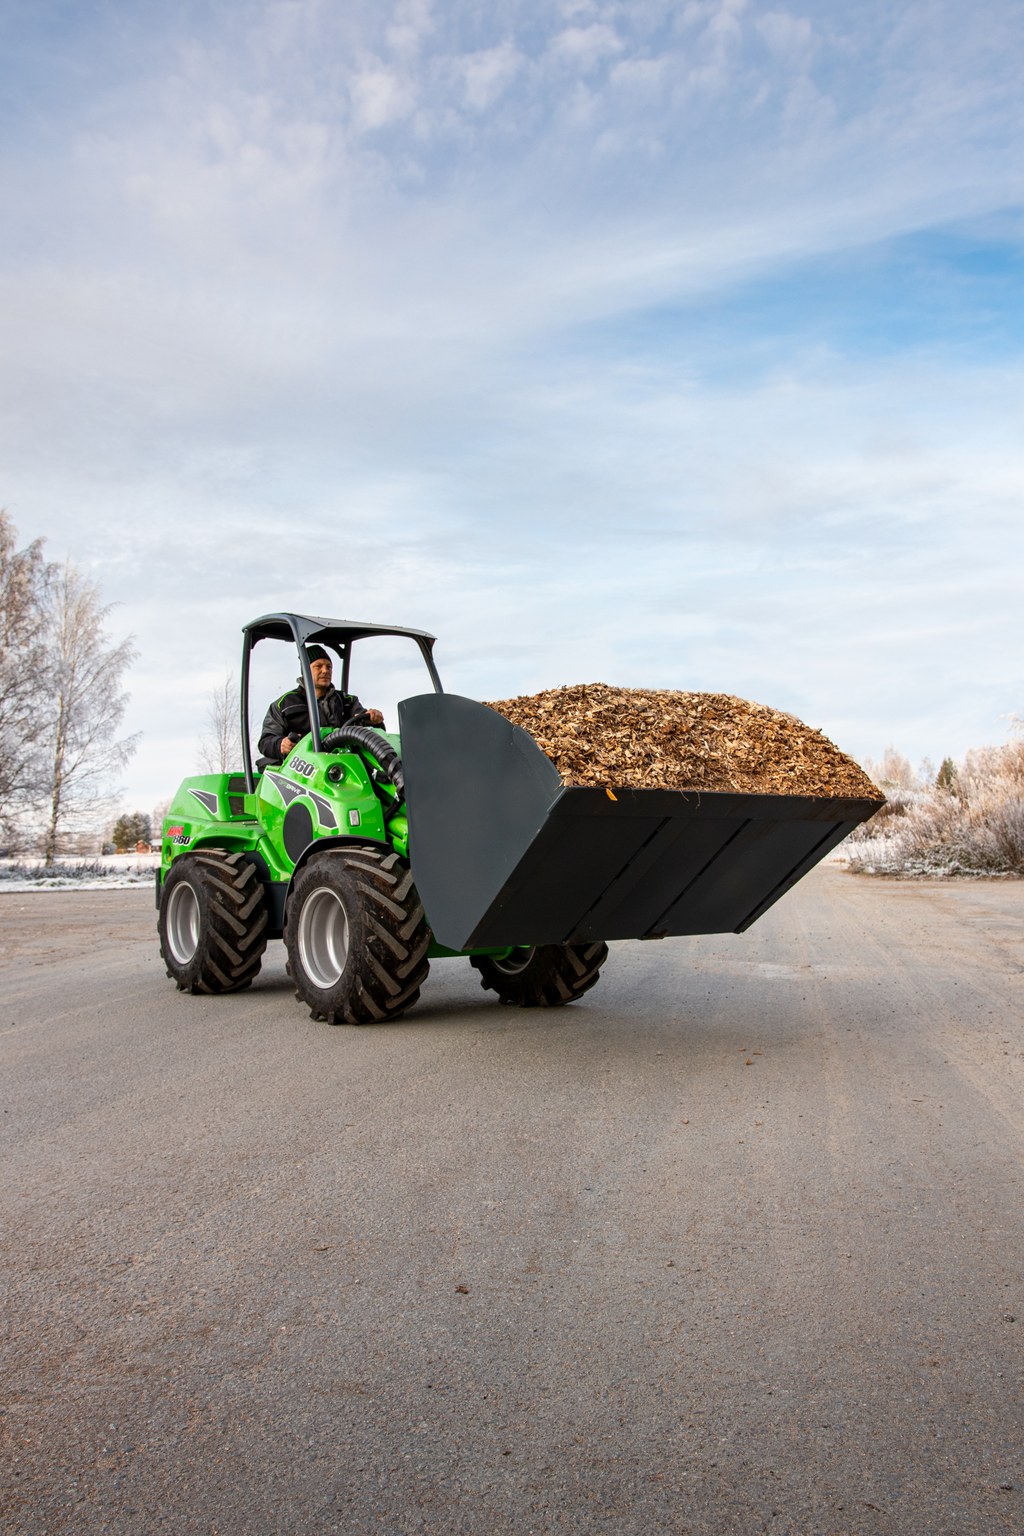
<point>213,921</point>
<point>545,977</point>
<point>356,936</point>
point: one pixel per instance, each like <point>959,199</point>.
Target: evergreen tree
<point>948,778</point>
<point>131,828</point>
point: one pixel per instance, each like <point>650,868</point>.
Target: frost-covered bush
<point>1001,836</point>
<point>81,873</point>
<point>78,869</point>
<point>970,823</point>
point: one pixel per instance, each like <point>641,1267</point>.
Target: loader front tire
<point>213,921</point>
<point>547,976</point>
<point>356,936</point>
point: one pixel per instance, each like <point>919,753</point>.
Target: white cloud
<point>641,75</point>
<point>790,38</point>
<point>586,47</point>
<point>411,27</point>
<point>724,22</point>
<point>379,97</point>
<point>488,73</point>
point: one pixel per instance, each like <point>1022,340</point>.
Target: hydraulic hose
<point>380,749</point>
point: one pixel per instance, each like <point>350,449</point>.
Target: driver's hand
<point>286,746</point>
<point>375,717</point>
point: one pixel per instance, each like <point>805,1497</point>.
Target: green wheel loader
<point>372,853</point>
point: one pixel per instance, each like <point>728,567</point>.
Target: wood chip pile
<point>636,738</point>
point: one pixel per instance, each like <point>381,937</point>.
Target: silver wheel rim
<point>517,961</point>
<point>183,923</point>
<point>323,938</point>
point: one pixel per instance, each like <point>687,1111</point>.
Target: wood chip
<point>636,738</point>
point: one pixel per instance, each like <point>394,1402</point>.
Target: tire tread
<point>556,974</point>
<point>234,916</point>
<point>388,962</point>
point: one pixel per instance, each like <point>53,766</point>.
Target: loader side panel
<point>478,790</point>
<point>671,862</point>
<point>747,873</point>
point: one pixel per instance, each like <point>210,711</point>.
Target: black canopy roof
<point>302,628</point>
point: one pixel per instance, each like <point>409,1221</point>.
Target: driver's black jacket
<point>288,716</point>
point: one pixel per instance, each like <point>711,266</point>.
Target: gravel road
<point>732,1245</point>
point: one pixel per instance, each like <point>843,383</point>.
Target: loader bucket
<point>504,853</point>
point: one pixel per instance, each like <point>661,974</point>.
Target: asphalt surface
<point>732,1245</point>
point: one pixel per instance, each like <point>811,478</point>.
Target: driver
<point>288,718</point>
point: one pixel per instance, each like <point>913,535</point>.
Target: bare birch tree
<point>894,771</point>
<point>86,702</point>
<point>220,750</point>
<point>24,716</point>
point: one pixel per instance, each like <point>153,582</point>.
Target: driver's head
<point>320,667</point>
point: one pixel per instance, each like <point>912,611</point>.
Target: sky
<point>669,343</point>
